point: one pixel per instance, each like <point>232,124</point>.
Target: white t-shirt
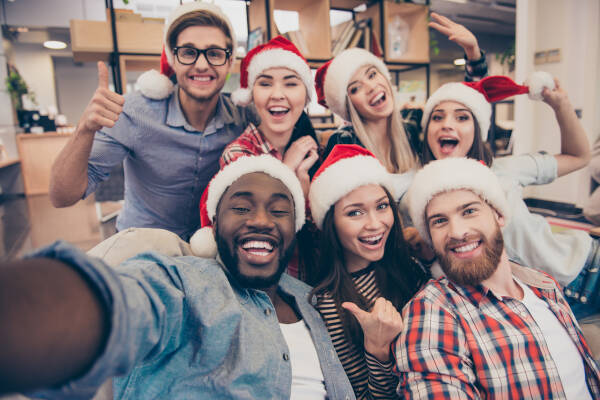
<point>566,357</point>
<point>307,378</point>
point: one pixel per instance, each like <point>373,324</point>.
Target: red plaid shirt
<point>249,143</point>
<point>467,343</point>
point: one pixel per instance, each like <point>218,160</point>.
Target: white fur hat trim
<point>341,178</point>
<point>339,73</point>
<point>537,82</point>
<point>191,7</point>
<point>471,98</point>
<point>453,174</point>
<point>155,85</point>
<point>247,164</point>
<point>274,58</point>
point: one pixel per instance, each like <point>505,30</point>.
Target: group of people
<point>311,274</point>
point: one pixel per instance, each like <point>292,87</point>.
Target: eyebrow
<point>365,73</point>
<point>361,204</point>
<point>266,76</point>
<point>459,208</point>
<point>456,109</point>
<point>274,196</point>
<point>210,46</point>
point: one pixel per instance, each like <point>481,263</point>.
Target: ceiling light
<point>459,62</point>
<point>54,44</point>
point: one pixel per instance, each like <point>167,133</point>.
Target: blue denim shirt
<point>167,163</point>
<point>181,328</point>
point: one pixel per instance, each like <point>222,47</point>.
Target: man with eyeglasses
<point>169,136</point>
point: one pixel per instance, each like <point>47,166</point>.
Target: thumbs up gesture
<point>380,326</point>
<point>104,108</point>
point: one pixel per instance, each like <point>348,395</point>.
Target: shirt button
<point>286,356</point>
<point>267,311</point>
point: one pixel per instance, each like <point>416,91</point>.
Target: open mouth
<point>259,248</point>
<point>371,240</point>
<point>447,144</point>
<point>467,249</point>
<point>202,78</point>
<point>378,99</point>
<point>278,111</point>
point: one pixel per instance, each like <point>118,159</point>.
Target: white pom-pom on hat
<point>241,97</point>
<point>203,243</point>
<point>155,85</point>
<point>537,82</point>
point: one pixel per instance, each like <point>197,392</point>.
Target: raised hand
<point>380,326</point>
<point>456,33</point>
<point>105,106</point>
<point>557,97</point>
<point>300,157</point>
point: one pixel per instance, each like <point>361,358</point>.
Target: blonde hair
<point>198,18</point>
<point>399,157</point>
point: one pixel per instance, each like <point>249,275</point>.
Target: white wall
<point>75,85</point>
<point>571,26</point>
<point>35,66</point>
<point>55,13</point>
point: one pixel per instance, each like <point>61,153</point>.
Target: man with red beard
<point>490,328</point>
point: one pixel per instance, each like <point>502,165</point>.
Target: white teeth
<point>256,244</point>
<point>372,239</point>
<point>202,78</point>
<point>377,98</point>
<point>278,109</point>
<point>465,248</point>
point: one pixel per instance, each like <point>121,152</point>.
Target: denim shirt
<point>182,328</point>
<point>167,162</point>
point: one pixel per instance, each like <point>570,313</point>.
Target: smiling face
<point>451,130</point>
<point>466,236</point>
<point>279,97</point>
<point>255,229</point>
<point>363,220</point>
<point>201,81</point>
<point>370,93</point>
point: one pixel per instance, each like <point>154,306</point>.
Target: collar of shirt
<point>224,114</point>
<point>262,142</point>
<point>541,284</point>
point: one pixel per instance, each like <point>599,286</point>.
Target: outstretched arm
<point>52,324</point>
<point>574,144</point>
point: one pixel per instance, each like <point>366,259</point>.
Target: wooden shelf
<point>92,40</point>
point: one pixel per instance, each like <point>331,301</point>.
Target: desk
<point>37,153</point>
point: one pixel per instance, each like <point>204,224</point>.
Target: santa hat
<point>453,174</point>
<point>277,52</point>
<point>203,242</point>
<point>333,77</point>
<point>347,167</point>
<point>477,96</point>
<point>157,85</point>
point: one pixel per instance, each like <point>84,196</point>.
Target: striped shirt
<point>250,143</point>
<point>370,378</point>
<point>463,342</point>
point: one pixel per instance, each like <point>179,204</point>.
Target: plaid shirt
<point>464,342</point>
<point>249,143</point>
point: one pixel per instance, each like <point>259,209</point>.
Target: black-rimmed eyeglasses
<point>188,55</point>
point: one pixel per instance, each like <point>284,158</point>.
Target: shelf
<point>92,40</point>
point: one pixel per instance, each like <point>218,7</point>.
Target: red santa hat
<point>277,52</point>
<point>203,242</point>
<point>157,85</point>
<point>347,167</point>
<point>333,77</point>
<point>477,96</point>
<point>449,174</point>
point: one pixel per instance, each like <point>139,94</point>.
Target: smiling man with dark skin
<point>177,327</point>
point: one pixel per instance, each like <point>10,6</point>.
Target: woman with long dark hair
<point>365,274</point>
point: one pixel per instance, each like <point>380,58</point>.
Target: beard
<point>231,261</point>
<point>203,98</point>
<point>476,270</point>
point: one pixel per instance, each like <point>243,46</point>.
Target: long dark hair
<point>397,275</point>
<point>304,127</point>
<point>478,150</point>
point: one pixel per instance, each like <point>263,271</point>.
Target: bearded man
<point>489,328</point>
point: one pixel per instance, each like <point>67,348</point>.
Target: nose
<point>447,122</point>
<point>458,229</point>
<point>202,62</point>
<point>370,85</point>
<point>277,92</point>
<point>260,219</point>
<point>373,221</point>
